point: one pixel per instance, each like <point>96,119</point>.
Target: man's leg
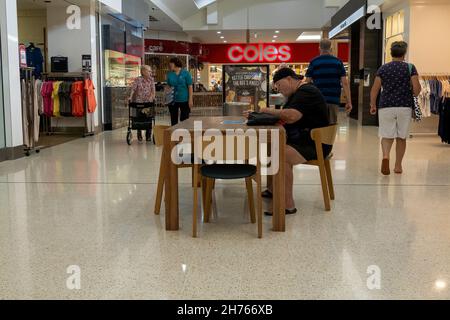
<point>333,111</point>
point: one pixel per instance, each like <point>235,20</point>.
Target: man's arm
<point>308,80</point>
<point>288,116</point>
<point>347,92</point>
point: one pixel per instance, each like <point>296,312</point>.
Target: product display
<point>121,69</point>
<point>248,84</point>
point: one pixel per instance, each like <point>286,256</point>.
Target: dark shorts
<point>309,151</point>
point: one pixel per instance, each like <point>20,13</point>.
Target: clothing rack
<point>29,118</point>
<point>428,125</point>
<point>69,76</point>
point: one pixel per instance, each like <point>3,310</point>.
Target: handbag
<point>262,119</point>
<point>416,112</point>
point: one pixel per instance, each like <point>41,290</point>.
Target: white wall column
<point>11,74</point>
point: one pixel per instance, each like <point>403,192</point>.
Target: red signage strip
<point>266,53</point>
<point>176,47</point>
<point>259,53</point>
<point>244,53</point>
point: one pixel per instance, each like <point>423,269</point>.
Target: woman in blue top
<point>181,81</point>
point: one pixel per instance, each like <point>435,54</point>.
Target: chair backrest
<point>325,135</point>
<point>158,132</point>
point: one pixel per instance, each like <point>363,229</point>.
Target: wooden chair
<point>321,136</point>
<point>208,174</point>
<point>158,132</point>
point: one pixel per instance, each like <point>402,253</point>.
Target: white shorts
<point>395,122</point>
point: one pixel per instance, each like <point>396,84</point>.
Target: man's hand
<point>348,107</point>
<point>265,110</point>
<point>191,103</point>
<point>246,114</point>
<point>373,109</point>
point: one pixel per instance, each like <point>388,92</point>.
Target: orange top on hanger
<point>78,102</point>
<point>90,95</point>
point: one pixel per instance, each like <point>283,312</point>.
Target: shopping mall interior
<point>81,195</point>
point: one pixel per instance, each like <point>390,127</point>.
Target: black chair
<point>211,173</point>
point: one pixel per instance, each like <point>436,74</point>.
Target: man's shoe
<point>288,212</point>
<point>139,135</point>
<point>267,194</point>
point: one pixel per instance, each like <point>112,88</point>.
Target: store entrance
<point>47,75</point>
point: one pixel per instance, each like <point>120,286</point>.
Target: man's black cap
<point>284,73</point>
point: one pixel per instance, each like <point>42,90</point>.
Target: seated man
<point>305,110</point>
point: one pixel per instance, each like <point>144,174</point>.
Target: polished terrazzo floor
<point>90,202</point>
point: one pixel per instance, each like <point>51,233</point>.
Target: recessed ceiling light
<point>275,37</point>
<point>225,41</point>
<point>310,36</point>
<point>222,37</point>
<point>219,32</point>
<point>273,40</point>
<point>277,31</point>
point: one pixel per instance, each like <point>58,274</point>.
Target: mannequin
<point>35,59</point>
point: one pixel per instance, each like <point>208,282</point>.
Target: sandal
<point>267,194</point>
<point>288,212</point>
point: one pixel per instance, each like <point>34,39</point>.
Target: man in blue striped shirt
<point>328,74</point>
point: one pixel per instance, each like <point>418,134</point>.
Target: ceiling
<point>164,22</point>
<point>182,8</point>
<point>240,36</point>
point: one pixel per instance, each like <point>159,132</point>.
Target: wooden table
<point>171,181</point>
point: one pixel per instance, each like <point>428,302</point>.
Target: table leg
<point>171,186</point>
<point>279,197</point>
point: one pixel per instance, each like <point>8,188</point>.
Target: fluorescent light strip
<point>302,37</point>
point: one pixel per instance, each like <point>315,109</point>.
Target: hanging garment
<point>55,97</point>
<point>25,123</point>
<point>90,95</point>
<point>77,96</point>
<point>444,121</point>
<point>37,109</point>
<point>35,59</point>
<point>437,93</point>
<point>38,99</point>
<point>47,91</point>
<point>65,89</point>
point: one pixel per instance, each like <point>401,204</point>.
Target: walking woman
<point>400,83</point>
<point>181,82</point>
<point>143,91</point>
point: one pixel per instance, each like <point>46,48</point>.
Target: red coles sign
<point>259,53</point>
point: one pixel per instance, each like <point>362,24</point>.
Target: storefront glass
<point>123,50</point>
<point>395,28</point>
<point>2,111</point>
